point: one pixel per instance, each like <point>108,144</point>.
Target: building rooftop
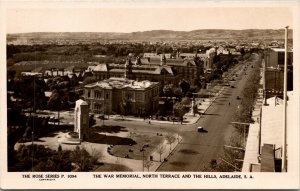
<point>120,68</point>
<point>280,50</point>
<point>121,83</point>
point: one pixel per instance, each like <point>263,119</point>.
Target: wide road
<point>196,150</point>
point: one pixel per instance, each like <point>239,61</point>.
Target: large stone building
<point>186,69</point>
<point>122,96</point>
<point>139,69</point>
<point>189,66</point>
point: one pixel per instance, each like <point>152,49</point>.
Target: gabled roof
<point>160,69</point>
<point>143,61</point>
<point>192,62</point>
<point>38,69</point>
<point>101,67</point>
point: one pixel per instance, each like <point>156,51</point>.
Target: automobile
<point>102,117</point>
<point>232,86</point>
<point>238,97</point>
<point>200,129</point>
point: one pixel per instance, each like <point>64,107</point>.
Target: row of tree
<point>234,154</point>
<point>38,158</point>
<point>115,49</point>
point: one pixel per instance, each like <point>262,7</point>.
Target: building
<point>122,96</point>
<point>138,70</point>
<point>189,66</point>
<point>273,65</point>
<point>264,142</point>
<point>186,69</point>
<point>274,58</point>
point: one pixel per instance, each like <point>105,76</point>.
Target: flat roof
<point>121,83</point>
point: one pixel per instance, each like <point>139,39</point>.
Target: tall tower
<point>128,67</point>
<point>163,59</point>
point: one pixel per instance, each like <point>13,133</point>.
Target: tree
<point>180,110</point>
<point>185,86</point>
<point>161,150</point>
<point>177,92</point>
<point>167,90</point>
<point>33,95</point>
<point>186,101</point>
<point>59,149</point>
<point>170,140</point>
<point>82,159</point>
<point>92,120</point>
<point>89,80</point>
<point>56,102</point>
<point>124,107</point>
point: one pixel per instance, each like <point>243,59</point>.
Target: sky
<point>144,19</point>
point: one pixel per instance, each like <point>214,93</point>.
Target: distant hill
<point>205,34</point>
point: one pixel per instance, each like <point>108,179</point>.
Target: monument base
<point>71,138</point>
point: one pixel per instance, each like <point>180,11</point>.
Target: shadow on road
<point>224,97</point>
<point>179,163</point>
<point>109,129</point>
<point>203,131</point>
<point>110,140</point>
<point>188,151</point>
<point>210,114</point>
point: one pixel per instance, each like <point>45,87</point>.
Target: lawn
<point>146,143</point>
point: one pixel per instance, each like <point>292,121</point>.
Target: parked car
<point>238,97</point>
<point>200,129</point>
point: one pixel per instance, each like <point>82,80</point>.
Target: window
<point>98,108</point>
<point>139,96</point>
<point>89,93</point>
<point>107,95</point>
<point>97,94</point>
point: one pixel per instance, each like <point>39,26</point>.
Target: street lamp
<point>32,138</point>
<point>173,108</point>
<point>143,150</point>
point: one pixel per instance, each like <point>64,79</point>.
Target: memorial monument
<point>81,119</point>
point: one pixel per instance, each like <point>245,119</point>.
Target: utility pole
<point>284,168</point>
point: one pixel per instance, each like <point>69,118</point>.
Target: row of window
<point>97,95</point>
